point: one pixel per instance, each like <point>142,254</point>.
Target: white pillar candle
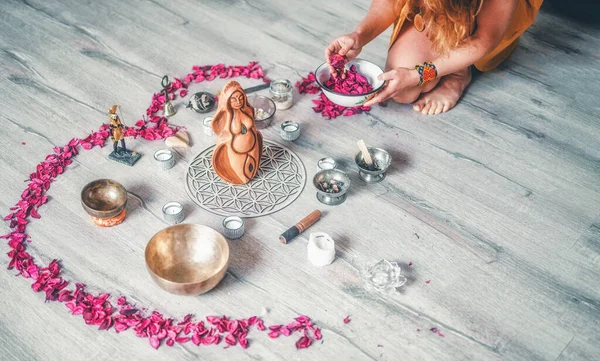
<point>321,249</point>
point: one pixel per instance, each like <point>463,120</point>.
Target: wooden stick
<point>365,152</point>
<point>300,227</point>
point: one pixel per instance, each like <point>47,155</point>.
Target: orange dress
<point>522,19</point>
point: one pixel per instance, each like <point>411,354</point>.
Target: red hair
<point>448,23</point>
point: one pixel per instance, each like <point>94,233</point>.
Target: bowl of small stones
<point>331,185</point>
<point>264,110</point>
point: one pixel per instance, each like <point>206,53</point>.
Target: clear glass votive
<point>164,158</point>
<point>282,93</point>
<point>326,163</point>
<point>173,213</point>
<point>290,130</point>
<point>233,227</point>
<point>207,126</point>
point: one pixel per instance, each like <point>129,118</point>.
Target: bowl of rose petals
<point>264,110</point>
<point>354,83</point>
<point>187,259</point>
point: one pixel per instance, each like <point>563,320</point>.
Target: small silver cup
<point>173,213</point>
<point>331,185</point>
<point>382,160</point>
<point>233,227</point>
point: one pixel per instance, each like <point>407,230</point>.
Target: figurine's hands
<point>398,80</point>
<point>346,45</point>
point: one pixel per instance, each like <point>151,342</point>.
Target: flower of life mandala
<point>280,180</point>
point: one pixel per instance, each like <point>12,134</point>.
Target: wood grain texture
<point>496,202</point>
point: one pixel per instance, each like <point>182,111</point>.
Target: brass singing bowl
<point>104,198</point>
<point>187,259</point>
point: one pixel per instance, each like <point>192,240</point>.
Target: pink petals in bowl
<point>358,86</point>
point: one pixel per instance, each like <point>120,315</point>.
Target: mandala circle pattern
<point>279,181</point>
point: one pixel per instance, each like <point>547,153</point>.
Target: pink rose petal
<point>303,342</point>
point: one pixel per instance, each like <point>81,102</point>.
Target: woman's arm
<point>380,16</point>
<point>492,23</point>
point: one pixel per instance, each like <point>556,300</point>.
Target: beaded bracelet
<point>427,72</point>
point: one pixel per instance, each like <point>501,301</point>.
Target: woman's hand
<point>346,45</point>
<point>398,80</point>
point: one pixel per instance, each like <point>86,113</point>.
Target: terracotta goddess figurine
<point>239,145</point>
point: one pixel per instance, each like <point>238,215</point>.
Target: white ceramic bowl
<point>363,67</point>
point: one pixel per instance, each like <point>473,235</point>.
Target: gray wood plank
<point>496,202</point>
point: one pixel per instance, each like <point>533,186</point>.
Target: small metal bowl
<point>267,105</point>
<point>187,259</point>
<point>327,176</point>
<point>104,198</point>
<point>382,160</point>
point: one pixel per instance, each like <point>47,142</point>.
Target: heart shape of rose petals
<point>97,309</point>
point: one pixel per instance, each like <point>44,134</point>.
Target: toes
<point>433,108</point>
<point>426,109</point>
<point>419,104</point>
<point>447,107</point>
<point>439,109</point>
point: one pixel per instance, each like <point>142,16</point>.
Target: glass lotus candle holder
<point>383,276</point>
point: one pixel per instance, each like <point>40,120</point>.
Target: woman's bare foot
<point>445,95</point>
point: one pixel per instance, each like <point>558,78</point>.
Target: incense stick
<point>365,152</point>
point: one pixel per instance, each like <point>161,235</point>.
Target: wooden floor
<point>496,202</point>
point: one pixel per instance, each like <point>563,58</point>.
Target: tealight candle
<point>290,130</point>
<point>326,163</point>
<point>164,158</point>
<point>233,227</point>
<point>207,123</point>
<point>173,213</point>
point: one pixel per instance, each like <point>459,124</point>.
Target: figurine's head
<point>113,109</point>
<point>235,99</point>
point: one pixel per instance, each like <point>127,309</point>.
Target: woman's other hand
<point>398,81</point>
